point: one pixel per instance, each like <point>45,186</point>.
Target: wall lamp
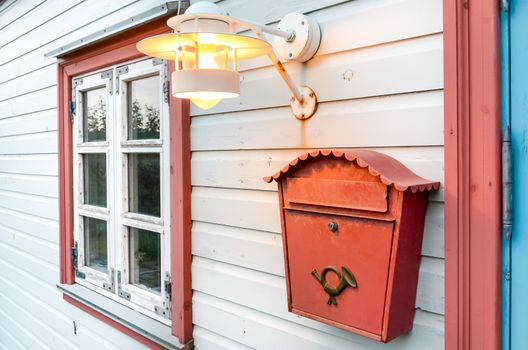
<point>207,49</point>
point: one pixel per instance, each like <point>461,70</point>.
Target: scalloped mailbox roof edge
<point>390,171</point>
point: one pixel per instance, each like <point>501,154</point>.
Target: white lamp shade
<point>205,87</point>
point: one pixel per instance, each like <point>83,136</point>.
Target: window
<point>121,176</point>
<point>124,190</point>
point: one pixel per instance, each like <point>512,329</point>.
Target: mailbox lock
<point>332,226</point>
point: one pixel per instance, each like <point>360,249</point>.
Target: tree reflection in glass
<point>144,183</point>
<point>145,259</point>
<point>94,112</point>
<point>94,174</point>
<point>95,247</point>
<point>143,108</point>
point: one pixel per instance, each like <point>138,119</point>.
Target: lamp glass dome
<point>206,63</point>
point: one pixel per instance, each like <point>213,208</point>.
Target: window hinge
<point>166,90</point>
<point>165,309</point>
<point>108,74</point>
<point>507,184</point>
<point>75,83</point>
<point>505,5</point>
<point>123,294</point>
<point>119,71</point>
<point>73,108</point>
<point>75,259</point>
<point>156,61</point>
<point>111,285</point>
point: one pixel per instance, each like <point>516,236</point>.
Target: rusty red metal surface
<point>352,225</point>
<point>389,170</point>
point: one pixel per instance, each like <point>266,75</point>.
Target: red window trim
<point>113,51</point>
<point>472,124</point>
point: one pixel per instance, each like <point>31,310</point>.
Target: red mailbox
<point>352,224</point>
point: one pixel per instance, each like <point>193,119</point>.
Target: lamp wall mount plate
<point>305,109</point>
<point>307,38</point>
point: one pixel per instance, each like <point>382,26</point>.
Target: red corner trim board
<point>472,124</point>
<point>112,51</point>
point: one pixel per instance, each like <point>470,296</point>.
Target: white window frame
<point>117,147</point>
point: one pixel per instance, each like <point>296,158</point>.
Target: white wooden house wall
<point>378,75</point>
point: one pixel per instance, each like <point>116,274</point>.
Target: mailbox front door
<point>515,95</point>
<point>324,248</point>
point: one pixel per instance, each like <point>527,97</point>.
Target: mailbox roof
<point>389,170</point>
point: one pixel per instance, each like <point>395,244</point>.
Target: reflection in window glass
<point>95,252</point>
<point>94,174</point>
<point>144,108</point>
<point>144,183</point>
<point>94,112</point>
<point>145,259</point>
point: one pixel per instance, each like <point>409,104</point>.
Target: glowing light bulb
<point>208,56</point>
<point>207,73</point>
<point>212,56</point>
<point>205,103</point>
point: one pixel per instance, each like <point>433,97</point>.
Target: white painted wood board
<point>60,26</point>
<point>39,14</point>
<point>257,250</point>
<point>8,338</point>
<point>23,263</point>
<point>207,340</point>
<point>267,293</point>
<point>30,224</point>
<point>395,68</point>
<point>37,101</point>
<point>245,169</point>
<point>413,18</point>
<point>39,206</point>
<point>394,121</point>
<point>32,123</point>
<point>87,22</point>
<point>34,333</point>
<point>264,331</point>
<point>13,10</point>
<point>37,80</point>
<point>430,294</point>
<point>29,254</point>
<point>259,210</point>
<point>29,184</point>
<point>238,223</point>
<point>41,143</point>
<point>34,164</point>
<point>32,245</point>
<point>406,18</point>
<point>26,339</point>
<point>48,307</point>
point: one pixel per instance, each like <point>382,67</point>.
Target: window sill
<point>132,320</point>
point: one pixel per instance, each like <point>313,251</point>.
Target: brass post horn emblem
<point>346,279</point>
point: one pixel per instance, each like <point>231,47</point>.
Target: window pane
<point>145,259</point>
<point>144,183</point>
<point>94,173</point>
<point>144,109</point>
<point>94,112</point>
<point>95,244</point>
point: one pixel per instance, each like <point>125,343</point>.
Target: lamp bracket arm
<point>257,28</point>
<point>303,103</point>
<point>285,76</point>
